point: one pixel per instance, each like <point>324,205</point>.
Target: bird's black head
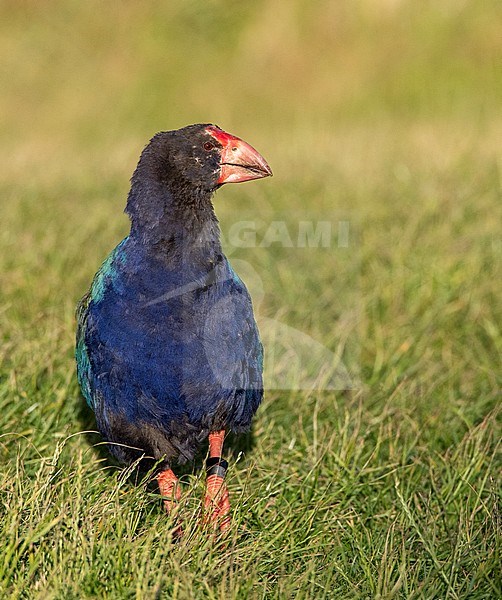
<point>178,171</point>
<point>201,156</point>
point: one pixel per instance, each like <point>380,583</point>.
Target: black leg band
<point>216,466</point>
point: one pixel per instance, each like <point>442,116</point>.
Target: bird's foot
<point>170,490</point>
<point>216,501</point>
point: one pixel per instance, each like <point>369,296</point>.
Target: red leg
<point>170,491</point>
<point>216,501</point>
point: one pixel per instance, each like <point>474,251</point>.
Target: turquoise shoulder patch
<point>81,356</point>
<point>106,272</point>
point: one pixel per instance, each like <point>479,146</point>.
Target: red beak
<point>239,161</point>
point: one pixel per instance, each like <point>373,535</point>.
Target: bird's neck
<point>177,226</point>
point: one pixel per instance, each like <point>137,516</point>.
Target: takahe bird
<point>168,352</point>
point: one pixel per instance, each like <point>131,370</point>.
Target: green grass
<point>384,114</point>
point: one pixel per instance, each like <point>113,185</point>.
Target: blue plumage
<point>167,345</point>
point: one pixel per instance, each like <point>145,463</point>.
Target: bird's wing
<point>100,281</point>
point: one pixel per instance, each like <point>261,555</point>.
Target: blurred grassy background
<point>386,112</point>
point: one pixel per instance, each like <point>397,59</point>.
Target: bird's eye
<point>208,146</point>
